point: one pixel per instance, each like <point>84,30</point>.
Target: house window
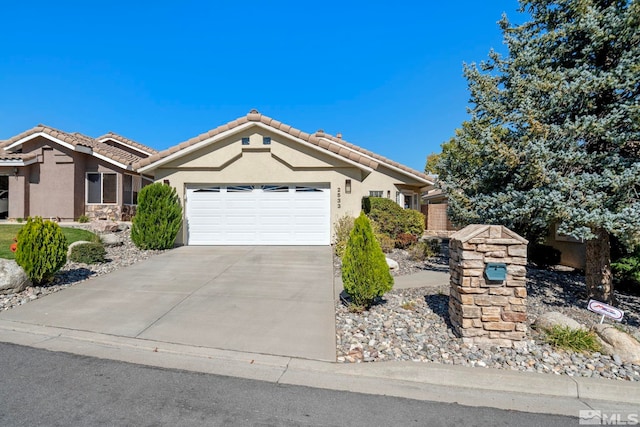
<point>266,140</point>
<point>375,193</point>
<point>131,186</point>
<point>102,188</point>
<point>245,141</point>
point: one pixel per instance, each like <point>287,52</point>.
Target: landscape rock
<point>104,226</point>
<point>111,239</point>
<point>553,318</point>
<point>393,265</point>
<point>13,279</point>
<point>618,343</point>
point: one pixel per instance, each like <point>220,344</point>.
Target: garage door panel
<point>257,215</point>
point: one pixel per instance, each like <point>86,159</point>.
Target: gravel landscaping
<point>413,324</point>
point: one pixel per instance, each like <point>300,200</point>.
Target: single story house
<point>257,181</point>
<point>53,174</point>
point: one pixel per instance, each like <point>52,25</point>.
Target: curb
<point>503,389</point>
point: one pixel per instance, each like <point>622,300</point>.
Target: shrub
<point>404,240</point>
<point>393,220</point>
<point>627,268</point>
<point>414,222</point>
<point>577,340</point>
<point>421,251</point>
<point>388,216</point>
<point>41,250</point>
<point>435,244</point>
<point>342,229</point>
<point>158,217</point>
<point>386,243</point>
<point>543,255</point>
<point>365,274</point>
<point>83,219</point>
<point>88,253</point>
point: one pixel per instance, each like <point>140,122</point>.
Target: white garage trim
<point>258,214</point>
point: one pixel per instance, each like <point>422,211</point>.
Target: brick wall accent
<point>483,312</point>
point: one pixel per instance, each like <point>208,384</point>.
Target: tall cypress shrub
<point>41,250</point>
<point>158,217</point>
<point>365,273</point>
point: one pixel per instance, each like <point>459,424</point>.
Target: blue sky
<point>387,75</point>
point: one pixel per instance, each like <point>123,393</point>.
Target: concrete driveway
<point>265,299</point>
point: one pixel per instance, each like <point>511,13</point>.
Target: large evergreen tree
<point>554,130</point>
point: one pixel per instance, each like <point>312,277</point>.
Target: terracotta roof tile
<point>6,155</point>
<point>77,139</point>
<point>320,139</point>
<point>127,141</point>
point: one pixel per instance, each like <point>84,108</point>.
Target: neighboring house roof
<point>74,141</point>
<point>334,145</point>
<point>17,159</point>
<point>127,142</point>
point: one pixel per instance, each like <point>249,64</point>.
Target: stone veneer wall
<point>112,212</point>
<point>480,311</point>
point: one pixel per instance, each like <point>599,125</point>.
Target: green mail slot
<point>496,272</point>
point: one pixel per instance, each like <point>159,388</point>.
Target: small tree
<point>158,217</point>
<point>365,274</point>
<point>41,250</point>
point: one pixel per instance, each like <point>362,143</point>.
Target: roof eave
<point>17,162</point>
<point>387,165</point>
<point>138,149</point>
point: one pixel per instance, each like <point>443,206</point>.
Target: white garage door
<point>258,215</point>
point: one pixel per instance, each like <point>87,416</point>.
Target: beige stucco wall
<point>285,161</point>
<point>572,251</point>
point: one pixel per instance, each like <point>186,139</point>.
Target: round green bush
<point>365,273</point>
<point>42,250</point>
<point>88,253</point>
<point>392,219</point>
<point>158,217</point>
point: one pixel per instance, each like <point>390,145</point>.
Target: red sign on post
<point>605,310</point>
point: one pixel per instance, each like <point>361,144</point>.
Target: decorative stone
<point>13,279</point>
<point>393,265</point>
<point>616,342</point>
<point>553,318</point>
<point>511,316</point>
<point>111,239</point>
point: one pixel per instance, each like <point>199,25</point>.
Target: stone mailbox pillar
<point>487,302</point>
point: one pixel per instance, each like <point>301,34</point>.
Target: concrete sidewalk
<point>530,392</point>
<point>426,278</point>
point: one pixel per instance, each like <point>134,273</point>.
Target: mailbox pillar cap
<point>489,231</point>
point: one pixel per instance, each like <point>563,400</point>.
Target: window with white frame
<point>375,193</point>
<point>130,187</point>
<point>102,187</point>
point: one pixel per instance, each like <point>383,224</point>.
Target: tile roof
<point>127,141</point>
<point>334,144</point>
<point>77,139</point>
<point>6,155</point>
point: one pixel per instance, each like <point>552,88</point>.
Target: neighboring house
<point>434,207</point>
<point>256,181</point>
<point>55,174</point>
<point>572,251</point>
